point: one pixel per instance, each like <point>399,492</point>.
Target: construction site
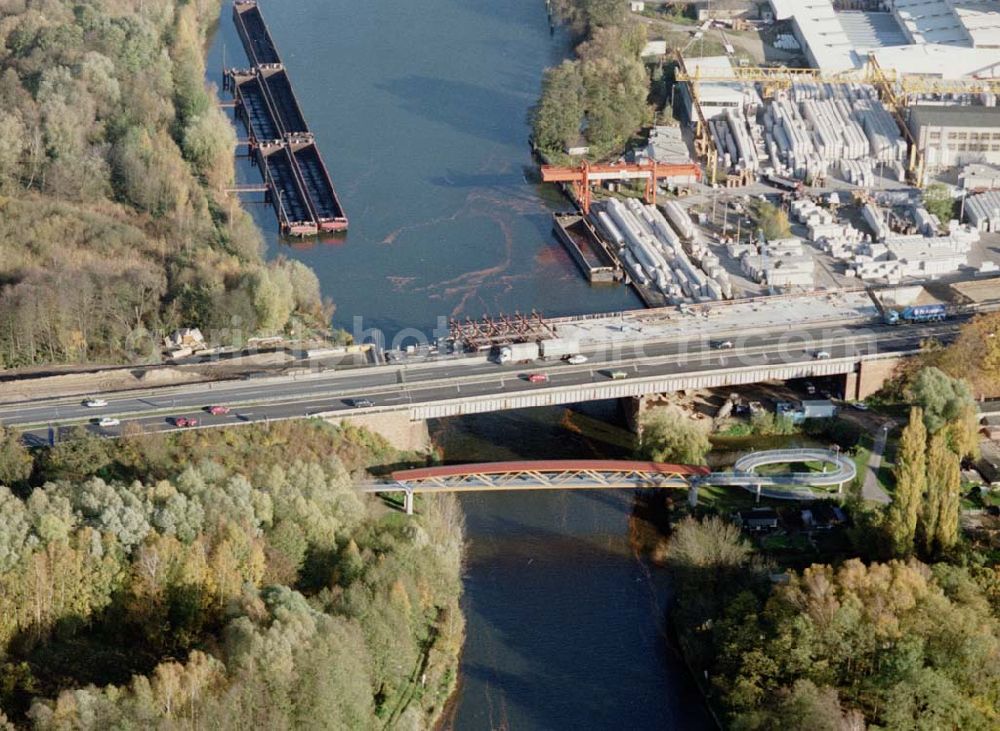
<point>844,150</point>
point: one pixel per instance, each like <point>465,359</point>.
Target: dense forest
<point>898,645</point>
<point>601,95</point>
<point>114,157</point>
<point>906,635</point>
<point>222,579</point>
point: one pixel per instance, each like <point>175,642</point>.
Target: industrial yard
<point>844,155</point>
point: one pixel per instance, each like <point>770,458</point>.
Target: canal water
<point>420,110</point>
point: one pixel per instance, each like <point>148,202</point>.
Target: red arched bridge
<point>553,474</point>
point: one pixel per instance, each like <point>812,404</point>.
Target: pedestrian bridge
<point>553,474</point>
<point>837,470</point>
<point>609,474</point>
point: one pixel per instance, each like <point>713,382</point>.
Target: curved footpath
<point>788,485</point>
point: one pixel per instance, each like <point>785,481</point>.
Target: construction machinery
<point>585,174</point>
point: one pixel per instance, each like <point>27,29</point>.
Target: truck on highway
<point>556,348</point>
<point>550,349</point>
<point>919,313</point>
<point>517,353</point>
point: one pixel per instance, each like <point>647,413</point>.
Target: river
<point>420,112</point>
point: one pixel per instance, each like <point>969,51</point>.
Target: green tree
<point>669,435</point>
<point>557,116</point>
<point>938,202</point>
<point>942,398</point>
<point>911,484</point>
<point>76,456</point>
<point>941,509</point>
<point>773,221</point>
<point>15,459</point>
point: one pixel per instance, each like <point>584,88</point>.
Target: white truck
<point>517,353</point>
<point>556,348</point>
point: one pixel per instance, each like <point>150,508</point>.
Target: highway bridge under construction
<point>279,140</point>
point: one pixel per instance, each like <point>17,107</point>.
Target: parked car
<point>362,403</point>
<point>859,405</point>
<point>538,377</point>
<point>617,375</point>
<point>108,421</point>
<point>576,359</point>
<point>95,403</point>
<point>810,388</point>
<point>218,410</point>
<point>821,355</point>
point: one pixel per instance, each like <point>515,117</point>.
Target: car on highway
<point>362,403</point>
<point>108,421</point>
<point>538,377</point>
<point>218,410</point>
<point>724,345</point>
<point>576,359</point>
<point>859,405</point>
<point>182,421</point>
<point>617,375</point>
<point>95,403</point>
<point>821,355</point>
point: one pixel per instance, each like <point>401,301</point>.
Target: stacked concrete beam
<point>927,223</point>
<point>817,126</point>
<point>653,253</point>
<point>781,263</point>
<point>983,210</point>
<point>873,217</point>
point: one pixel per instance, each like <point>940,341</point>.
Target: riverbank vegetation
<point>599,97</point>
<point>223,579</point>
<point>901,645</point>
<point>114,159</point>
<point>897,624</point>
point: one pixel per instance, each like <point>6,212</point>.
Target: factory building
<point>956,135</point>
<point>717,96</point>
<point>946,38</point>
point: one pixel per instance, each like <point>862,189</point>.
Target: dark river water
<point>420,112</point>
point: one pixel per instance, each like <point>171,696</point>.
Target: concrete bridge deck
<point>471,385</point>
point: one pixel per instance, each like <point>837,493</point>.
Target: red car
<point>185,421</point>
<point>218,410</point>
<point>538,377</point>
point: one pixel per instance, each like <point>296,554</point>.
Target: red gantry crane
<point>581,177</point>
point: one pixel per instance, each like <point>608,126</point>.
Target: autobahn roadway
<point>398,386</point>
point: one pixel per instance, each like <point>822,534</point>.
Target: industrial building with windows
<point>956,135</point>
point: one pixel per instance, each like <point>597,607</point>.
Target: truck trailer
<point>517,353</point>
<point>555,348</point>
<point>920,313</point>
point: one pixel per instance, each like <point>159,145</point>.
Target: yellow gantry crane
<point>895,91</point>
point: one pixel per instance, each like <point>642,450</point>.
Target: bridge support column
<point>757,501</point>
<point>693,494</point>
<point>408,502</point>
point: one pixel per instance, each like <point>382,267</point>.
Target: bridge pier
<point>394,426</point>
<point>693,494</point>
<point>408,501</point>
